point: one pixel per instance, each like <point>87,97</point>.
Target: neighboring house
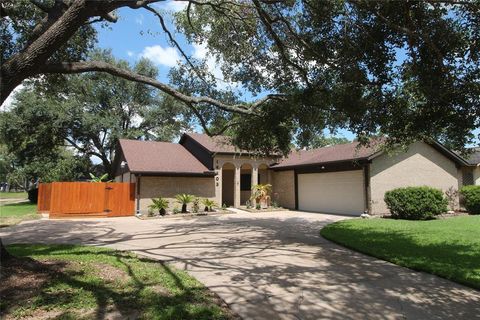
<point>471,174</point>
<point>343,179</point>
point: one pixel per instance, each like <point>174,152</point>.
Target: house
<point>471,173</point>
<point>344,179</point>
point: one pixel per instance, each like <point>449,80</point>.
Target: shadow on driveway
<point>271,266</point>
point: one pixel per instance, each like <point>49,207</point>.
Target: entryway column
<point>254,181</point>
<point>236,189</point>
<point>218,185</point>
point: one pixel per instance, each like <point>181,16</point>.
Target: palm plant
<point>184,199</point>
<point>102,178</point>
<point>208,204</point>
<point>260,193</point>
<point>159,204</point>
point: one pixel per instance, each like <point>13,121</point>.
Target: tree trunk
<point>184,208</point>
<point>4,254</point>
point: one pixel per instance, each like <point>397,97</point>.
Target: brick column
<point>236,188</point>
<point>254,181</point>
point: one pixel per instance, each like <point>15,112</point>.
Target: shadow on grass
<point>129,300</point>
<point>19,204</point>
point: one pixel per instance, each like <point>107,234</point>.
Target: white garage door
<point>332,192</point>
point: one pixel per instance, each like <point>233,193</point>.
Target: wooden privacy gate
<point>93,199</point>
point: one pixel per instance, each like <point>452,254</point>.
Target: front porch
<point>235,178</point>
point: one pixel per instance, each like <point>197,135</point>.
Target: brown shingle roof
<point>474,157</point>
<point>341,152</point>
<point>216,144</point>
<point>160,157</point>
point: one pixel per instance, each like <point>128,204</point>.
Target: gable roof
<point>474,157</point>
<point>160,158</point>
<point>216,144</point>
<point>341,152</point>
<point>350,152</point>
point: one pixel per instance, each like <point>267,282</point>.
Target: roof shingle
<point>160,157</point>
<point>341,152</point>
<point>216,144</point>
<point>474,157</point>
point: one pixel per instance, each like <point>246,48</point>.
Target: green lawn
<point>13,195</point>
<point>14,213</point>
<point>77,282</point>
<point>449,248</point>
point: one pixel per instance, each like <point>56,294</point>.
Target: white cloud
<point>139,19</point>
<point>200,51</point>
<point>130,53</point>
<point>11,98</point>
<point>163,56</point>
<point>174,6</point>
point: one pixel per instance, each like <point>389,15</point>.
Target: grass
<point>13,195</point>
<point>14,213</point>
<point>449,248</point>
<point>77,282</point>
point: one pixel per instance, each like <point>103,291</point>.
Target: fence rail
<point>106,199</point>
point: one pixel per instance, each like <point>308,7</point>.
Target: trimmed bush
<point>471,196</point>
<point>33,195</point>
<point>415,203</point>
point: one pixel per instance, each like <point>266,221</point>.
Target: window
<point>245,182</point>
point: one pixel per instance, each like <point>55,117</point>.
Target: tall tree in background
<point>322,140</point>
<point>89,113</point>
<point>409,70</point>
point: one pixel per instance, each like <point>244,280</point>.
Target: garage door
<point>332,192</point>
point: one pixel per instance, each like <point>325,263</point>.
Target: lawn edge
<point>459,282</point>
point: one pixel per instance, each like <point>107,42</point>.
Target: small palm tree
<point>208,204</point>
<point>102,178</point>
<point>184,199</point>
<point>260,193</point>
<point>159,204</point>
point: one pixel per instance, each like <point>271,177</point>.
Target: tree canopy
<point>408,70</point>
<point>89,113</point>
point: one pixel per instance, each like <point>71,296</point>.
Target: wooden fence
<point>95,199</point>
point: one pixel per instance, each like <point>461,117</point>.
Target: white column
<point>218,186</point>
<point>254,181</point>
<point>236,189</point>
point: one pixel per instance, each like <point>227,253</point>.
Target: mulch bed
<point>184,215</point>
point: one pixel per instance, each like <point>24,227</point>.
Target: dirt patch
<point>110,273</point>
<point>23,278</point>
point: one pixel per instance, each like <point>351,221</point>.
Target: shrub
<point>471,196</point>
<point>159,204</point>
<point>196,205</point>
<point>209,204</point>
<point>415,203</point>
<point>33,195</point>
<point>184,199</point>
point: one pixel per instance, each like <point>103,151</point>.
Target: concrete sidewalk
<point>271,265</point>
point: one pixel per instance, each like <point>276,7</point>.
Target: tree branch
<point>40,5</point>
<point>100,66</point>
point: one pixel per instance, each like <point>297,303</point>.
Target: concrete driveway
<point>271,265</point>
